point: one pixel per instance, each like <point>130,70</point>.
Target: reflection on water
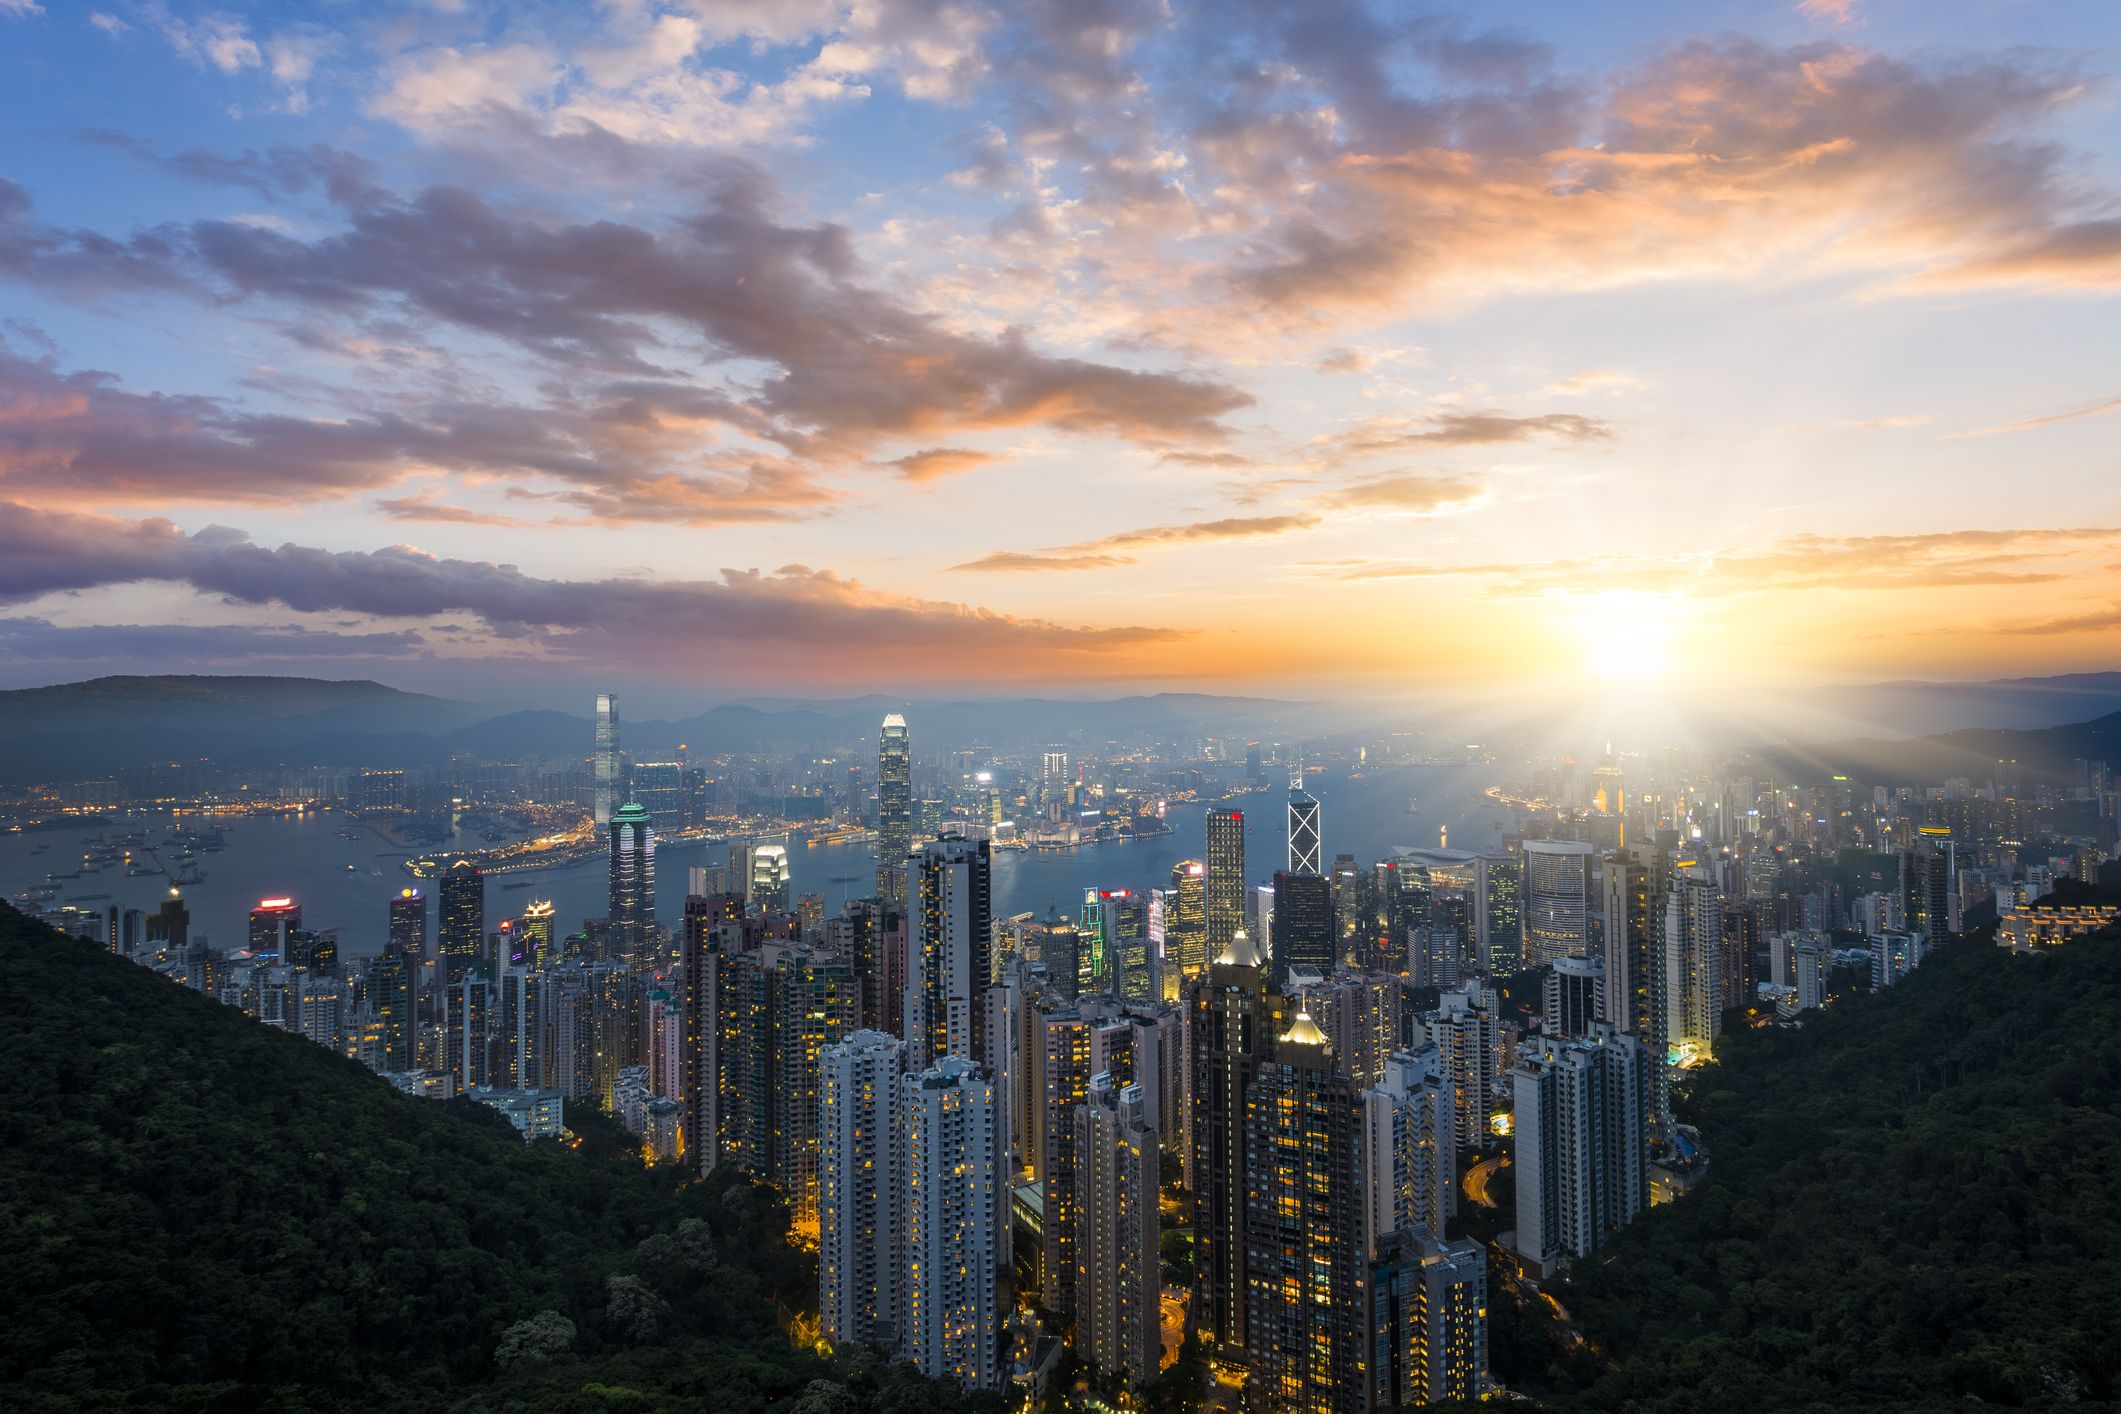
<point>307,857</point>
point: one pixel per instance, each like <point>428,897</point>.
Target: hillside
<point>1914,1203</point>
<point>2043,755</point>
<point>198,1212</point>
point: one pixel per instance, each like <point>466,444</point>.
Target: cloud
<point>2096,621</point>
<point>1595,380</point>
<point>82,438</point>
<point>1381,435</point>
<point>1957,559</point>
<point>1408,493</point>
<point>1108,551</point>
<point>1838,12</point>
<point>19,9</point>
<point>781,616</point>
<point>2093,409</point>
<point>935,463</point>
<point>2086,253</point>
<point>427,507</point>
<point>40,640</point>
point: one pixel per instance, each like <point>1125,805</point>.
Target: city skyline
<point>744,347</point>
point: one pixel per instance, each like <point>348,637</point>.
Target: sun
<point>1626,635</point>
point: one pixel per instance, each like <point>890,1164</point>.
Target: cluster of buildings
<point>1243,1104</point>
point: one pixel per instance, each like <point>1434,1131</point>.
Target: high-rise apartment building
<point>949,892</point>
<point>1428,1320</point>
<point>1572,996</point>
<point>1410,1147</point>
<point>1465,1031</point>
<point>1634,958</point>
<point>1118,1268</point>
<point>894,811</point>
<point>1693,958</point>
<point>632,879</point>
<point>605,764</point>
<point>1583,1116</point>
<point>953,1316</point>
<point>862,1190</point>
<point>1223,884</point>
<point>1556,900</point>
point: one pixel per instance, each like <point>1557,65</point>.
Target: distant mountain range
<point>1898,732</point>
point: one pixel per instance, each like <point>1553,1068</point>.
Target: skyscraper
<point>1303,925</point>
<point>1498,914</point>
<point>894,811</point>
<point>1306,1258</point>
<point>949,892</point>
<point>408,926</point>
<point>1118,1269</point>
<point>271,923</point>
<point>659,787</point>
<point>1232,1014</point>
<point>1583,1114</point>
<point>862,1192</point>
<point>768,887</point>
<point>632,878</point>
<point>1185,941</point>
<point>461,938</point>
<point>1693,958</point>
<point>1223,885</point>
<point>606,763</point>
<point>1306,850</point>
<point>1634,960</point>
<point>1428,1320</point>
<point>953,1191</point>
<point>1572,996</point>
<point>1556,900</point>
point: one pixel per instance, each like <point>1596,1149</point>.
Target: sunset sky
<point>721,348</point>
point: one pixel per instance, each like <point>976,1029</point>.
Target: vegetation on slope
<point>198,1212</point>
<point>1914,1203</point>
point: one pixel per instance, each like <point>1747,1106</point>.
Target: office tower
<point>632,879</point>
<point>468,1018</point>
<point>408,926</point>
<point>1410,1146</point>
<point>697,978</point>
<point>1693,958</point>
<point>1057,946</point>
<point>1185,950</point>
<point>1223,883</point>
<point>1114,929</point>
<point>1306,852</point>
<point>1556,900</point>
<point>659,788</point>
<point>1259,918</point>
<point>1573,996</point>
<point>461,933</point>
<point>1739,969</point>
<point>1428,1320</point>
<point>1348,891</point>
<point>953,1196</point>
<point>1360,1014</point>
<point>707,880</point>
<point>534,931</point>
<point>605,761</point>
<point>270,923</point>
<point>131,925</point>
<point>894,812</point>
<point>1118,1268</point>
<point>1435,956</point>
<point>1583,1114</point>
<point>949,893</point>
<point>1232,1013</point>
<point>1465,1030</point>
<point>1303,925</point>
<point>1634,957</point>
<point>1498,914</point>
<point>768,890</point>
<point>862,1192</point>
<point>1306,1262</point>
<point>1054,777</point>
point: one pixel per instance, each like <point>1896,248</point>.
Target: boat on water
<point>509,884</point>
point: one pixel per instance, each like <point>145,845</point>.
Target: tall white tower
<point>953,1193</point>
<point>861,1191</point>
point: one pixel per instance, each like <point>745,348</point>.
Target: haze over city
<point>811,348</point>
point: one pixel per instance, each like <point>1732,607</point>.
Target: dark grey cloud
<point>41,640</point>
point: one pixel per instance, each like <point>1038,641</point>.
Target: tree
<point>545,1336</point>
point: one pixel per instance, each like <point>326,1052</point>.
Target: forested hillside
<point>1914,1204</point>
<point>198,1212</point>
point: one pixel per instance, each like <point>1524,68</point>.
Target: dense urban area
<point>1285,1128</point>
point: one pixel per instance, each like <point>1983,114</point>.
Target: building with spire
<point>1223,883</point>
<point>605,764</point>
<point>1233,1014</point>
<point>894,811</point>
<point>632,914</point>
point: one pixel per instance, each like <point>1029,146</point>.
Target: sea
<point>345,885</point>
